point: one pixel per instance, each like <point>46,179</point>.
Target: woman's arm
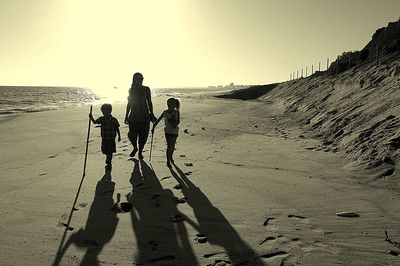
<point>157,121</point>
<point>128,109</point>
<point>179,118</point>
<point>150,103</point>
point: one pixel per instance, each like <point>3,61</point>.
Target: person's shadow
<point>100,226</point>
<point>160,236</point>
<point>214,225</point>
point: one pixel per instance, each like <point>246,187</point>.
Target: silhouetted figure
<point>100,226</point>
<point>214,225</point>
<point>171,120</point>
<point>139,113</point>
<point>109,130</point>
<point>159,239</point>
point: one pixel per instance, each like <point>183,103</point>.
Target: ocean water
<point>27,99</point>
<point>18,99</point>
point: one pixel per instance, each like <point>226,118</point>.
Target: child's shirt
<point>109,126</point>
<point>171,119</point>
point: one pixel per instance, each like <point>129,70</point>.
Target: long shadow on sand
<point>159,238</point>
<point>100,225</point>
<point>214,225</point>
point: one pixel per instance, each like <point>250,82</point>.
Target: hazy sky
<point>100,44</point>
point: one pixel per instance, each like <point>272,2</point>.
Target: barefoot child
<point>171,129</point>
<point>109,129</point>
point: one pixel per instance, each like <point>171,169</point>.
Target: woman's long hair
<point>137,80</point>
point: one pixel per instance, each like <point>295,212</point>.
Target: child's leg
<point>143,135</point>
<point>169,148</point>
<point>133,136</point>
<point>173,142</point>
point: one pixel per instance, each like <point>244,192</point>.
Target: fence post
<point>327,63</point>
<point>306,71</point>
<point>297,74</point>
<point>312,69</point>
<point>319,66</point>
<point>301,72</point>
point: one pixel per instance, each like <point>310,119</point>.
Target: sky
<point>99,44</point>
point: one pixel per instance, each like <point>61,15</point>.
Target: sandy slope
<point>356,111</point>
<point>256,190</point>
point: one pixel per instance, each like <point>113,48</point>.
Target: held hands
<point>152,118</point>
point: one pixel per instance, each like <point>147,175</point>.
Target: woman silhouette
<point>139,113</point>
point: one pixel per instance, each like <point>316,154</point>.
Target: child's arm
<point>157,121</point>
<point>119,134</point>
<point>150,104</point>
<point>92,119</point>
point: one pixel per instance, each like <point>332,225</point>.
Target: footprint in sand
<point>42,174</point>
<point>269,238</point>
<point>310,148</point>
<point>182,155</point>
<point>273,254</point>
<point>188,173</point>
<point>180,200</point>
<point>178,186</point>
<point>165,177</point>
<point>209,255</point>
<point>177,218</point>
<point>201,238</point>
<point>296,216</point>
<point>189,164</point>
<point>52,156</point>
<point>69,228</point>
<point>80,206</point>
<point>267,221</point>
<point>63,222</point>
<point>223,262</point>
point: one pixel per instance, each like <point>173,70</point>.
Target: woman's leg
<point>133,136</point>
<point>143,135</point>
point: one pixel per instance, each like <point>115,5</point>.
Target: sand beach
<point>245,190</point>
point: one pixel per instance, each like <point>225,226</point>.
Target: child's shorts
<point>108,146</point>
